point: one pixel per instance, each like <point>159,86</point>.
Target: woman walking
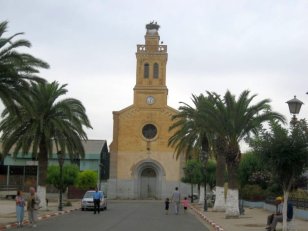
<point>20,207</point>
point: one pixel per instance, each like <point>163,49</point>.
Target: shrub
<point>262,178</point>
<point>302,194</point>
<point>252,193</point>
<point>86,179</point>
<point>274,189</point>
<point>68,203</point>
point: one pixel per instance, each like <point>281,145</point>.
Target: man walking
<point>176,199</point>
<point>97,197</point>
<point>33,203</point>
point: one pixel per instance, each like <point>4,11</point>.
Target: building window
<point>156,71</point>
<point>149,131</point>
<point>146,70</point>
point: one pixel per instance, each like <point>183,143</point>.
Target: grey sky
<point>258,45</point>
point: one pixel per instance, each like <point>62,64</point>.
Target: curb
<point>44,217</point>
<point>204,217</point>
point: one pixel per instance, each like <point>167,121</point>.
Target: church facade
<point>142,166</point>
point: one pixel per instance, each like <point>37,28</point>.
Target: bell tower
<point>150,89</point>
<point>142,165</point>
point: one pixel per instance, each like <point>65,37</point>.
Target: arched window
<point>156,71</point>
<point>146,70</point>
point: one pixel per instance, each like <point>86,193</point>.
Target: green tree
<point>87,179</point>
<point>193,137</point>
<point>70,173</point>
<point>211,173</point>
<point>16,68</point>
<point>233,120</point>
<point>287,154</point>
<point>193,174</point>
<point>253,171</point>
<point>45,120</point>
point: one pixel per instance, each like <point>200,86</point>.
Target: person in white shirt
<point>176,199</point>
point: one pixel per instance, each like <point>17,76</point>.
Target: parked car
<point>87,201</point>
<point>195,196</point>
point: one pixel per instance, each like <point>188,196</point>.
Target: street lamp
<point>294,108</point>
<point>204,159</point>
<point>61,162</point>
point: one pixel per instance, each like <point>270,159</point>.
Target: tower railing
<point>152,48</point>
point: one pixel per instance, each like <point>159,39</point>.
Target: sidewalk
<point>254,219</point>
<point>8,212</point>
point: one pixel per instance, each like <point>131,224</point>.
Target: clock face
<point>150,100</point>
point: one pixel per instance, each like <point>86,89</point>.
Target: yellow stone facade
<point>142,166</point>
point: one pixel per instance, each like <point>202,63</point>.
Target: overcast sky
<point>259,45</point>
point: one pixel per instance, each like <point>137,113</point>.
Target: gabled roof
<point>90,146</point>
<point>93,146</point>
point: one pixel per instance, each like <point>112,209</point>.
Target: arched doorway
<point>149,180</point>
<point>148,183</point>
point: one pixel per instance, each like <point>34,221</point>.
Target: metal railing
<point>8,187</point>
<point>8,191</point>
<point>299,203</point>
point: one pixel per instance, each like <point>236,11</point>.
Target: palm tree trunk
<point>220,202</point>
<point>232,204</point>
<point>43,165</point>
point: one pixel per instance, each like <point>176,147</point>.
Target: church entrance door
<point>148,183</point>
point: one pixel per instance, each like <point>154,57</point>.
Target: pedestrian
<point>176,199</point>
<point>185,204</point>
<point>20,208</point>
<point>33,203</point>
<point>167,202</point>
<point>276,217</point>
<point>273,219</point>
<point>97,197</point>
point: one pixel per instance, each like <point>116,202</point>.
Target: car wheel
<point>82,209</point>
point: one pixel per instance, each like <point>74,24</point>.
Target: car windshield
<point>89,194</point>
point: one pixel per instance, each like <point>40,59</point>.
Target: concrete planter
<point>298,213</point>
<point>253,204</point>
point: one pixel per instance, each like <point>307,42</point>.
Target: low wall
<point>253,204</point>
<point>298,213</point>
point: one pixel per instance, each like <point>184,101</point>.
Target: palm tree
<point>233,120</point>
<point>16,69</point>
<point>190,135</point>
<point>43,120</point>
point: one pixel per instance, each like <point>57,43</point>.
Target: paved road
<point>123,216</point>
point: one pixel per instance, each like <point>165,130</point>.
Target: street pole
<point>61,162</point>
<point>204,161</point>
<point>61,183</point>
<point>205,199</point>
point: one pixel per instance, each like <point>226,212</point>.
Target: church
<point>142,166</point>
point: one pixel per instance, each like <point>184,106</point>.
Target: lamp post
<point>61,162</point>
<point>204,159</point>
<point>294,108</point>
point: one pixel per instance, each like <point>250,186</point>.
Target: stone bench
<point>290,226</point>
